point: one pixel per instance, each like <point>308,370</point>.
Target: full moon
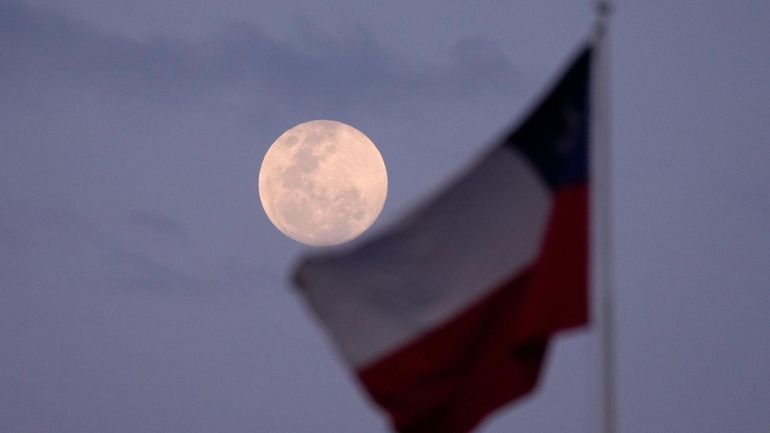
<point>323,183</point>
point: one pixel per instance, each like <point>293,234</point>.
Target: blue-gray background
<point>142,289</point>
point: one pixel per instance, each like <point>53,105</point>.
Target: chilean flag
<point>447,317</point>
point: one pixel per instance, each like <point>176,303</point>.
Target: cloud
<point>243,63</point>
<point>157,224</point>
<point>29,228</point>
<point>139,271</point>
<point>42,245</point>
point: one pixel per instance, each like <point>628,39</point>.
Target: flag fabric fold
<point>447,316</point>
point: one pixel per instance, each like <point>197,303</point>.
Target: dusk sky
<point>143,289</point>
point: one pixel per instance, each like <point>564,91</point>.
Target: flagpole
<point>602,227</point>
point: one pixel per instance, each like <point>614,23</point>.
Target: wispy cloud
<point>157,224</point>
<point>242,60</point>
<point>139,271</point>
<point>56,246</point>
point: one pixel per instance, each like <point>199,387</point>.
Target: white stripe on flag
<point>481,232</point>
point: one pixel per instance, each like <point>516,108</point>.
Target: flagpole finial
<point>603,8</point>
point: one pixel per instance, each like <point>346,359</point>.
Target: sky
<point>144,290</point>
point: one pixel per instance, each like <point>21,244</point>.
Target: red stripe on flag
<point>449,379</point>
<point>558,296</point>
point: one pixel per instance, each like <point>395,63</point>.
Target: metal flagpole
<point>601,221</point>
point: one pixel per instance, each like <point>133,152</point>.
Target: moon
<point>323,183</point>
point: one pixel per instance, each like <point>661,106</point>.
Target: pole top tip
<point>603,8</point>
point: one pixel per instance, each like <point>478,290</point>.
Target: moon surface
<point>322,183</point>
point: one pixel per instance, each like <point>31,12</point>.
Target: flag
<point>447,316</point>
